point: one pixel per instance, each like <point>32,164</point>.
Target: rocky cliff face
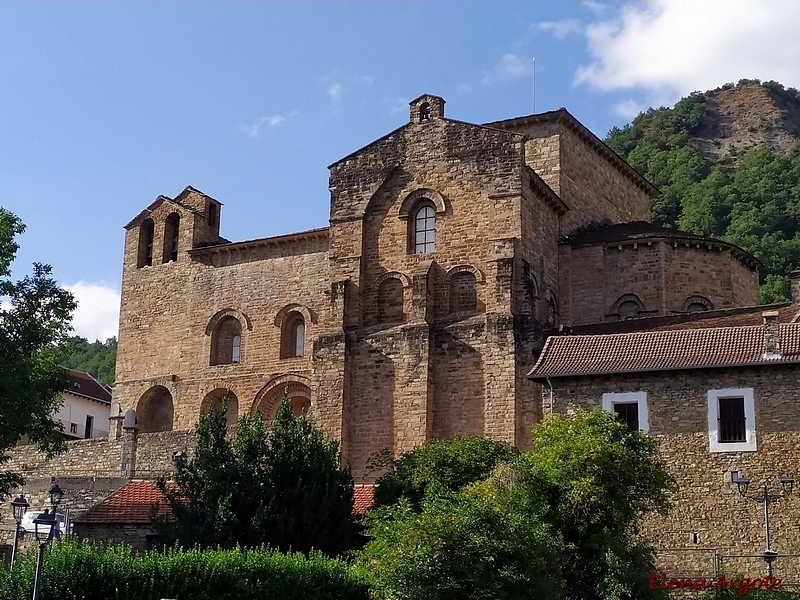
<point>747,115</point>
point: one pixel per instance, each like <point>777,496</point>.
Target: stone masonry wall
<point>707,503</point>
<point>660,273</point>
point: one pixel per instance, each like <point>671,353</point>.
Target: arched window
<point>424,112</point>
<point>155,410</point>
<point>293,335</point>
<point>463,292</point>
<point>226,341</point>
<point>390,301</point>
<point>145,255</point>
<point>171,234</point>
<point>214,399</point>
<point>628,306</point>
<point>695,304</point>
<point>424,229</point>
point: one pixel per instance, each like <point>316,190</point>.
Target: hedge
<point>81,571</point>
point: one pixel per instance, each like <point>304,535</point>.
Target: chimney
<point>772,335</point>
<point>795,279</point>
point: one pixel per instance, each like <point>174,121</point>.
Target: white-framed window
<point>630,407</point>
<point>731,420</point>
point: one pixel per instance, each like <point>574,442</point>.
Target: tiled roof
<point>565,356</point>
<point>131,504</point>
<point>84,384</point>
<point>726,317</point>
<point>364,498</point>
<point>128,505</point>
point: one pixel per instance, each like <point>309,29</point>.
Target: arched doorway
<point>155,410</point>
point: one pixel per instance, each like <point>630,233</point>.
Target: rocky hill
<point>741,117</point>
<point>727,162</point>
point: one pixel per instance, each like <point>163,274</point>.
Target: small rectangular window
<point>73,428</point>
<point>731,420</point>
<point>630,408</point>
<point>89,426</point>
<point>628,413</point>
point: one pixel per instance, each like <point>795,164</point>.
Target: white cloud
<point>97,315</point>
<point>629,109</point>
<point>561,29</point>
<point>254,130</point>
<point>335,92</point>
<point>670,48</point>
<point>510,67</point>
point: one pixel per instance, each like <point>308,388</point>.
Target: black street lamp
<point>766,498</point>
<point>46,528</point>
<point>18,507</point>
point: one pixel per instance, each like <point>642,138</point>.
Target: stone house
<point>719,400</point>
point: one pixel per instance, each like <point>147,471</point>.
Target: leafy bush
<point>81,571</point>
<point>451,463</point>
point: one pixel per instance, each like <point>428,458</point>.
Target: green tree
<point>451,463</point>
<point>560,521</point>
<point>601,480</point>
<point>33,324</point>
<point>96,358</point>
<point>488,541</point>
<point>284,487</point>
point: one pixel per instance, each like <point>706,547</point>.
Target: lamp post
<point>766,498</point>
<point>46,528</point>
<point>18,507</point>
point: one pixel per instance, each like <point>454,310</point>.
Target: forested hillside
<point>96,358</point>
<point>727,163</point>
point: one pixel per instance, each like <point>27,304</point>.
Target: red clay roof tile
<point>128,505</point>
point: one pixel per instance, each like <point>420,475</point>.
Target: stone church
<point>453,250</point>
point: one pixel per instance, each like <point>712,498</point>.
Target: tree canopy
<point>749,197</point>
<point>451,463</point>
<point>558,522</point>
<point>283,487</point>
<point>34,322</point>
<point>96,358</point>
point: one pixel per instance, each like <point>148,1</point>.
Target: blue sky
<point>105,106</point>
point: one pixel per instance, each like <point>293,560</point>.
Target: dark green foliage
<point>486,543</point>
<point>283,487</point>
<point>558,522</point>
<point>31,330</point>
<point>80,571</point>
<point>451,463</point>
<point>96,358</point>
<point>600,479</point>
<point>750,199</point>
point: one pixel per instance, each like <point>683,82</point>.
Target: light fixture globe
<point>43,525</point>
<point>56,494</point>
<point>787,481</point>
<point>18,506</point>
<point>742,483</point>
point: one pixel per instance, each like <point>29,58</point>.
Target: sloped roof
<point>129,505</point>
<point>563,116</point>
<point>723,317</point>
<point>568,356</point>
<point>83,384</point>
<point>638,231</point>
<point>364,496</point>
<point>179,200</point>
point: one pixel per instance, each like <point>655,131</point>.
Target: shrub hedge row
<point>80,571</point>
